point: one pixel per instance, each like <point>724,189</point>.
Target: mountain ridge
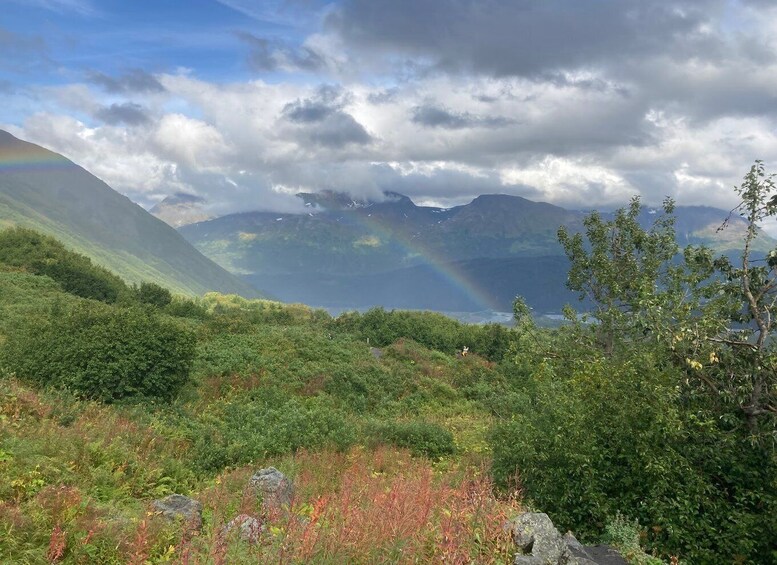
<point>343,247</point>
<point>44,190</point>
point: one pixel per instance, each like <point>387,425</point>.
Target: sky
<point>581,103</point>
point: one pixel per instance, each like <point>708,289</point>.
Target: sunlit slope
<point>45,191</point>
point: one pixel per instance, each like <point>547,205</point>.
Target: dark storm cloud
<point>526,37</point>
<point>272,54</point>
<point>134,80</point>
<point>126,113</point>
<point>437,117</point>
<point>308,111</point>
<point>322,119</point>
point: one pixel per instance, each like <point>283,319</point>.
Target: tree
<point>663,407</point>
<point>152,293</point>
<point>716,317</point>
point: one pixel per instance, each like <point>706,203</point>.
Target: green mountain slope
<point>47,192</point>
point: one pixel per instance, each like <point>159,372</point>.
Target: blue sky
<point>245,103</point>
<point>69,38</point>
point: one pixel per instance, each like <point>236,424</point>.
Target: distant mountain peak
<point>332,200</point>
<point>180,209</point>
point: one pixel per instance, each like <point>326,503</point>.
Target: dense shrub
<point>609,436</point>
<point>103,352</point>
<point>153,294</point>
<point>421,438</point>
<point>186,308</point>
<point>430,329</point>
<point>268,423</point>
<point>42,255</point>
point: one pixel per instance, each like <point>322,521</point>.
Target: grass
<point>273,384</point>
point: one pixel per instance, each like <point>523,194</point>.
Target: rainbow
<point>26,158</point>
<point>444,267</point>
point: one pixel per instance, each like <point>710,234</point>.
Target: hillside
<point>45,191</point>
<point>146,428</point>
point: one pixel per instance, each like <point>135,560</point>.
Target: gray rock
<point>249,528</point>
<point>273,485</point>
<point>178,507</point>
<point>603,555</point>
<point>572,542</point>
<point>538,540</point>
<point>377,353</point>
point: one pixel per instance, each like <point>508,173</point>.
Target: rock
<point>250,528</point>
<point>538,540</point>
<point>178,507</point>
<point>540,543</point>
<point>602,555</point>
<point>273,485</point>
<point>377,353</point>
<point>572,542</point>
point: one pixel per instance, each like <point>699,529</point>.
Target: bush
<point>431,329</point>
<point>104,353</point>
<point>266,424</point>
<point>421,438</point>
<point>42,255</point>
<point>153,294</point>
<point>609,436</point>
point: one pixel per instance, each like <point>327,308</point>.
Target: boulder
<point>538,540</point>
<point>540,543</point>
<point>180,508</point>
<point>249,528</point>
<point>273,485</point>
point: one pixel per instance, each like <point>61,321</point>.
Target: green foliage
<point>625,535</point>
<point>43,255</point>
<point>430,329</point>
<point>265,424</point>
<point>612,435</point>
<point>421,438</point>
<point>103,353</point>
<point>153,294</point>
<point>663,407</point>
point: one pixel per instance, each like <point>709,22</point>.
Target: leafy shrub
<point>153,294</point>
<point>421,438</point>
<point>624,535</point>
<point>430,329</point>
<point>103,352</point>
<point>43,255</point>
<point>267,424</point>
<point>186,308</point>
<point>614,435</point>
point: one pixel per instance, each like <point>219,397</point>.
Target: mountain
<point>351,253</point>
<point>45,191</point>
<point>180,209</point>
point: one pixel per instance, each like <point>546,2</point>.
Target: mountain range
<point>45,191</point>
<point>349,253</point>
<point>340,253</point>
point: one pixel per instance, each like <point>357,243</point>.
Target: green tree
<point>662,404</point>
<point>153,294</point>
<point>75,273</point>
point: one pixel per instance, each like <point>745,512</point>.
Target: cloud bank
<point>579,104</point>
